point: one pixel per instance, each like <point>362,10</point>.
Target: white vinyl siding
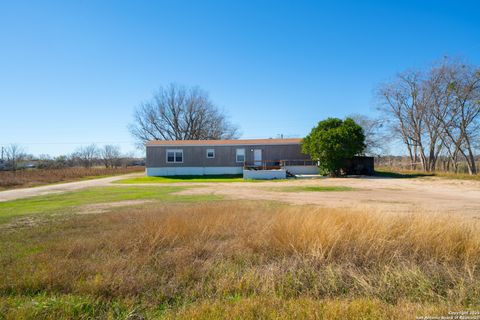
<point>210,153</point>
<point>240,155</point>
<point>191,171</point>
<point>174,156</point>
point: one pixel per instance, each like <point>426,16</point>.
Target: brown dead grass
<point>190,253</point>
<point>36,177</point>
<point>104,207</point>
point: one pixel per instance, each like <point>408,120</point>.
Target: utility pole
<point>2,152</point>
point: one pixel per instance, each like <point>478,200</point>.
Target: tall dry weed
<point>197,251</point>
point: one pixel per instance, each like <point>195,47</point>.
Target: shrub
<point>332,141</point>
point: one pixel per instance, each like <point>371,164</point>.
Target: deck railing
<point>300,162</point>
<point>277,164</point>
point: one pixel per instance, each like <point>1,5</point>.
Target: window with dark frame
<point>178,156</point>
<point>210,153</point>
<point>175,156</point>
<point>240,155</point>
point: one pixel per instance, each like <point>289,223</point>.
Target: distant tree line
<point>435,113</point>
<point>402,163</point>
<point>14,157</point>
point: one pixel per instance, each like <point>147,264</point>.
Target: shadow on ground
<point>397,175</point>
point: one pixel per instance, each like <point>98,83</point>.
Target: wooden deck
<point>277,164</point>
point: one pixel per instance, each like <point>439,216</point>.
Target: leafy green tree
<point>332,141</point>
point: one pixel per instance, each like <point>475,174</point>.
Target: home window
<point>240,155</point>
<point>174,156</point>
<point>210,153</point>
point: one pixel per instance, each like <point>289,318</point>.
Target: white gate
<point>257,157</point>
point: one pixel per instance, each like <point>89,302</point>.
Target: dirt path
<point>61,187</point>
<point>387,195</point>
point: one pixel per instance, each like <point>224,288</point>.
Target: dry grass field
<point>240,260</point>
<point>36,177</point>
<point>369,248</point>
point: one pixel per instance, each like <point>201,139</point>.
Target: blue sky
<point>72,72</point>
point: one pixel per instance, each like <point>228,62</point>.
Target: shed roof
<point>223,142</point>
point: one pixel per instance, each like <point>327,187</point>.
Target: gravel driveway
<point>60,187</point>
<point>384,194</point>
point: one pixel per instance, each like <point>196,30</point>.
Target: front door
<point>257,157</point>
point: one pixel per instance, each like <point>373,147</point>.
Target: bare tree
<point>436,113</point>
<point>439,83</point>
<point>466,101</point>
<point>457,109</point>
<point>404,104</point>
<point>408,104</point>
<point>110,156</point>
<point>375,139</point>
<point>87,155</point>
<point>180,113</point>
<point>14,154</point>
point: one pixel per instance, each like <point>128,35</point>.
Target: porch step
<point>290,175</point>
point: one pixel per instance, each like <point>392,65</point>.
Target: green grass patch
<point>66,202</point>
<point>313,189</point>
<point>69,306</point>
<point>174,179</point>
<point>386,172</point>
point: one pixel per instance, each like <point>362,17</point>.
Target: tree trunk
<point>472,168</point>
<point>413,158</point>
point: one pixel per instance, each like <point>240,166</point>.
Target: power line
<point>70,143</point>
